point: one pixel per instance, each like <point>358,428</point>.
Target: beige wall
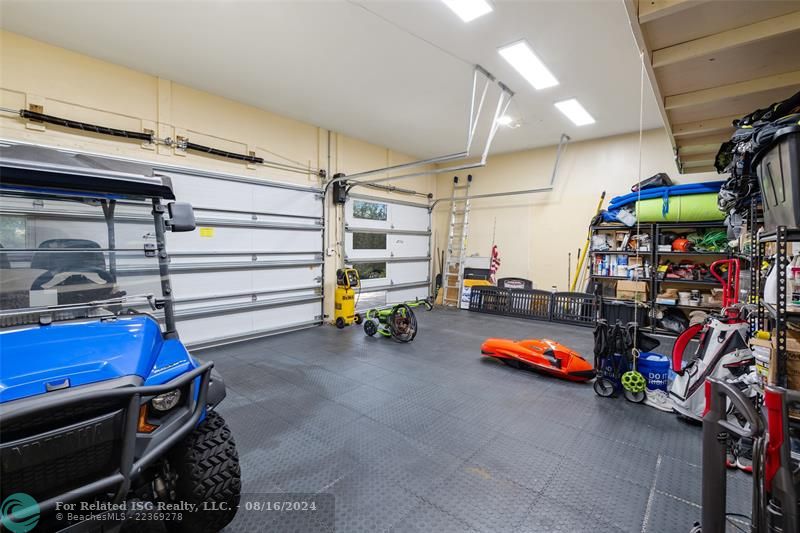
<point>534,233</point>
<point>82,88</point>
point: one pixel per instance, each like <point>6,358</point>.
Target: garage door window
<point>369,210</point>
<point>371,270</point>
<point>369,241</point>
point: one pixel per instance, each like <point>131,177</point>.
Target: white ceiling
<point>396,73</point>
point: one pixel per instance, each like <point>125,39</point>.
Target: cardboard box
<point>466,290</point>
<point>792,358</point>
<point>632,290</point>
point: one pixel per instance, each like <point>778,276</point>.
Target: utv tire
<point>209,477</point>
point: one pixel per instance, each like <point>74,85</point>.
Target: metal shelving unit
<point>654,256</point>
<point>776,314</point>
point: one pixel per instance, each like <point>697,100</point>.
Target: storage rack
<point>654,256</point>
<point>777,313</point>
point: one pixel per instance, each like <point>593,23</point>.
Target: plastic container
<point>779,176</point>
<point>655,369</point>
<point>625,312</point>
<point>762,355</point>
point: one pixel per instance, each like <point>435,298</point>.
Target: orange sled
<point>542,355</point>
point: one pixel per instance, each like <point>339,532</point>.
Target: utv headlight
<point>166,401</point>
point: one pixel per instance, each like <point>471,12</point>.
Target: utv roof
<point>47,168</point>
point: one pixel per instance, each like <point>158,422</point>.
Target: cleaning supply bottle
<point>793,286</point>
<point>771,286</point>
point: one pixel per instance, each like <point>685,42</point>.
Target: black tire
<point>370,327</point>
<point>340,323</point>
<point>207,466</point>
<point>604,387</point>
<point>357,319</point>
<point>635,397</point>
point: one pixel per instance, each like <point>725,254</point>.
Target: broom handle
<point>582,257</point>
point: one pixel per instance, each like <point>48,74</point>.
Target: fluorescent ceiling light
<point>520,55</point>
<point>575,112</point>
<point>505,120</point>
<point>468,10</point>
<point>509,122</point>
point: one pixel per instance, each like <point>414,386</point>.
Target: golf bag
<point>723,352</point>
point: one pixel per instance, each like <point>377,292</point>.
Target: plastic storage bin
<point>779,176</point>
<point>625,312</point>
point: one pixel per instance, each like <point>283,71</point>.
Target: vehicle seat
<point>5,264</point>
<point>67,262</point>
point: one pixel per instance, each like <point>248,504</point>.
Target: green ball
<point>633,381</point>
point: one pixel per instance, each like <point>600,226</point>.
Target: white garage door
<point>389,243</point>
<point>253,266</point>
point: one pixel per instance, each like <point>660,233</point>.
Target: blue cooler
<point>655,369</point>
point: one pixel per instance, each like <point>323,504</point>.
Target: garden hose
<point>715,240</point>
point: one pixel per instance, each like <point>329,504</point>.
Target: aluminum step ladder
<point>453,275</point>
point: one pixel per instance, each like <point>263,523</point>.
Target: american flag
<point>494,264</point>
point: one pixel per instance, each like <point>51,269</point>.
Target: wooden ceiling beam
<point>712,44</point>
<point>732,90</point>
<point>699,159</point>
<point>650,10</point>
<point>702,145</point>
<point>697,169</point>
<point>704,127</point>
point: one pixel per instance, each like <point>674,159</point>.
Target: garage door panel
<point>247,300</point>
<point>237,281</point>
<point>212,192</point>
<point>197,331</point>
<point>356,208</point>
<point>284,240</point>
<point>409,218</point>
<point>408,272</point>
<point>409,245</point>
<point>221,239</point>
<point>244,195</point>
<point>405,295</point>
<point>397,273</point>
<point>397,245</point>
<point>289,202</point>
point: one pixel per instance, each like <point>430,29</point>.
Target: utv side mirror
<point>181,216</point>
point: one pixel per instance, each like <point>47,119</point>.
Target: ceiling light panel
<point>469,10</point>
<point>575,112</point>
<point>520,55</point>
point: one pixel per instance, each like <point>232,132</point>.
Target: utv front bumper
<point>83,444</point>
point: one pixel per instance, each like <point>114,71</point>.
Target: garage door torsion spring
<point>74,124</point>
<point>137,135</point>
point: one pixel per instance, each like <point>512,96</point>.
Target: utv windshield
<point>70,256</point>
